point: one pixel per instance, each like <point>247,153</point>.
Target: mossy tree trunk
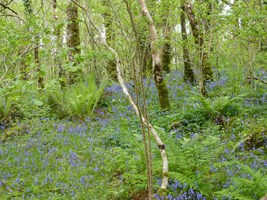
<point>37,62</point>
<point>188,70</point>
<point>73,39</point>
<point>58,44</point>
<point>205,66</point>
<point>166,50</point>
<point>144,50</point>
<point>167,30</point>
<point>109,32</point>
<point>163,93</point>
<point>29,12</point>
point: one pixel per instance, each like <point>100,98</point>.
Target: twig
<point>28,50</point>
<point>6,68</point>
<point>8,8</point>
<point>258,79</point>
<point>16,16</point>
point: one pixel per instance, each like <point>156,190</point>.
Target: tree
<point>188,71</point>
<point>29,13</point>
<point>167,30</point>
<point>156,57</point>
<point>197,30</point>
<point>56,34</point>
<point>73,38</point>
<point>109,32</point>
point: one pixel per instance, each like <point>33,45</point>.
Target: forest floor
<point>216,146</point>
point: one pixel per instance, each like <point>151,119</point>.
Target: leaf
<point>38,102</point>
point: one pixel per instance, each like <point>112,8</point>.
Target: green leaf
<point>38,102</point>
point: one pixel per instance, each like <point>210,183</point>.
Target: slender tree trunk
<point>111,66</point>
<point>22,63</point>
<point>29,11</point>
<point>140,90</point>
<point>156,57</point>
<point>166,48</point>
<point>73,38</point>
<point>161,145</point>
<point>57,44</point>
<point>205,66</point>
<point>188,71</point>
<point>37,62</point>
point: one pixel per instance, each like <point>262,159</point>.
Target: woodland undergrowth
<point>84,142</point>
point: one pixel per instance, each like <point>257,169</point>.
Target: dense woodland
<point>133,99</point>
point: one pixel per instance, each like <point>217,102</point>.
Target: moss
<point>166,174</point>
<point>163,96</point>
<point>162,192</point>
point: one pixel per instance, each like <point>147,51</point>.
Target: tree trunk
<point>188,71</point>
<point>166,51</point>
<point>57,41</point>
<point>37,62</point>
<point>156,57</point>
<point>73,38</point>
<point>111,66</point>
<point>29,11</point>
<point>166,48</point>
<point>205,66</point>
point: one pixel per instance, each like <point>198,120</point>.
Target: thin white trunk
<point>125,91</point>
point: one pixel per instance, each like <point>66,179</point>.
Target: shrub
<point>80,99</point>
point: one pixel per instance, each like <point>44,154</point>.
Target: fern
<point>79,99</point>
<point>247,184</point>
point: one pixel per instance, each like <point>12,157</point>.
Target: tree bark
<point>111,66</point>
<point>57,35</point>
<point>188,71</point>
<point>73,38</point>
<point>37,62</point>
<point>29,11</point>
<point>205,66</point>
<point>164,184</point>
<point>156,57</point>
<point>166,48</point>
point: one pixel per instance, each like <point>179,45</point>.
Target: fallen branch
<point>258,79</point>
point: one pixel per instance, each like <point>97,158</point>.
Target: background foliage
<point>82,140</point>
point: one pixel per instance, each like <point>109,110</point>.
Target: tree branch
<point>8,8</point>
<point>259,79</point>
<point>131,101</point>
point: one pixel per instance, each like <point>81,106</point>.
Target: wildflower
<point>227,151</point>
<point>83,180</point>
<point>232,136</point>
<point>96,169</point>
<point>2,127</point>
<point>60,128</point>
<point>212,169</point>
<point>230,173</point>
<point>191,191</point>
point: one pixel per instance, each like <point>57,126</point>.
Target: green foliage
<point>20,100</point>
<point>80,99</point>
<point>252,185</point>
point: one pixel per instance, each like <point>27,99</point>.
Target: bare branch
<point>261,80</point>
<point>6,68</point>
<point>8,8</point>
<point>28,50</point>
<point>16,16</point>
